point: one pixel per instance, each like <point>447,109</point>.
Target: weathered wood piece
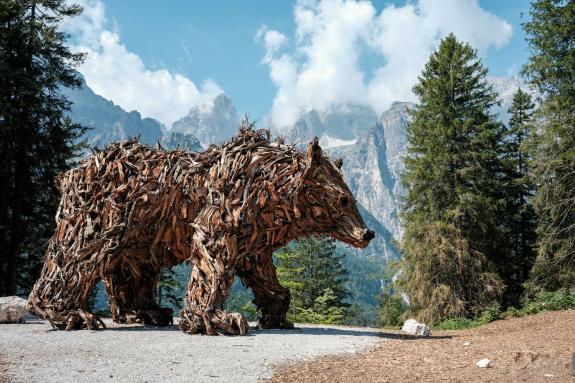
<point>130,210</point>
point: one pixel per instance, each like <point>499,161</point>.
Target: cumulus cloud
<point>114,72</point>
<point>333,37</point>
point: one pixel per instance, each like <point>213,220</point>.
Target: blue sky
<point>215,41</point>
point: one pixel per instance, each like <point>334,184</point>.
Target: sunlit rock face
<point>336,126</point>
<point>372,166</point>
<point>181,141</point>
<point>211,124</point>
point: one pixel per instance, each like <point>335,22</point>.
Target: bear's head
<point>325,202</point>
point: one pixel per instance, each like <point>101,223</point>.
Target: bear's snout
<point>368,235</point>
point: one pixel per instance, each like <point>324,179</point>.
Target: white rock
<point>466,344</point>
<point>483,363</point>
<point>411,326</point>
<point>12,309</point>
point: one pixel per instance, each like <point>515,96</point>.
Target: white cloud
<point>272,40</point>
<point>114,72</point>
<point>333,36</point>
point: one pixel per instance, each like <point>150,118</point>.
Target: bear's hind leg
<point>131,289</point>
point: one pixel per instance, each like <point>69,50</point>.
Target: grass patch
<point>459,324</point>
<point>563,299</point>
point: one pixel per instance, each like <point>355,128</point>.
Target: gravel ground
<point>32,352</point>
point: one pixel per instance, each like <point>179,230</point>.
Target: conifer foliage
<point>36,141</point>
<point>551,70</point>
<point>520,219</point>
<point>453,207</point>
<point>313,271</point>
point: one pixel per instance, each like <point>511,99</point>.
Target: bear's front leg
<point>271,298</point>
<point>61,293</point>
<point>207,291</point>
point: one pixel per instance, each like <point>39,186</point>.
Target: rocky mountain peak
<point>394,124</point>
<point>211,123</point>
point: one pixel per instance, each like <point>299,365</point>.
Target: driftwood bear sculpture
<point>130,210</point>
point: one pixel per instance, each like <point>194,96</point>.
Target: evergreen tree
<point>453,207</point>
<point>551,70</point>
<point>168,289</point>
<point>520,221</point>
<point>315,275</point>
<point>36,141</point>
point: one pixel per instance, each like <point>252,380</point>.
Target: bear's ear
<point>314,153</point>
<point>338,163</point>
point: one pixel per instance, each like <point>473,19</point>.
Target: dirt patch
<point>537,348</point>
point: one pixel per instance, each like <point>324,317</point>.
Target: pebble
<point>483,363</point>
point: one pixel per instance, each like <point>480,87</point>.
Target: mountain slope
<point>372,167</point>
<point>336,126</point>
<point>109,122</point>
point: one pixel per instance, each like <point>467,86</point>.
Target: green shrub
<point>459,323</point>
<point>324,311</point>
<point>391,311</point>
<point>563,299</point>
<point>512,312</point>
<point>492,313</point>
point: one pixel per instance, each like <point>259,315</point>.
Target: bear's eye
<point>344,201</point>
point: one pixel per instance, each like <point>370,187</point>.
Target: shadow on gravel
<point>322,331</point>
<point>394,335</point>
<point>143,328</point>
<point>345,332</point>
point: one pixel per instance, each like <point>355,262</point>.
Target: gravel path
<point>32,352</point>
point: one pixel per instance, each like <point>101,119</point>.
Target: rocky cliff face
<point>182,141</point>
<point>211,124</point>
<point>372,167</point>
<point>108,122</point>
<point>336,126</point>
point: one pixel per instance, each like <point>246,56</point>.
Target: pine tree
<point>168,289</point>
<point>551,70</point>
<point>36,141</point>
<point>313,271</point>
<point>520,220</point>
<point>453,207</point>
